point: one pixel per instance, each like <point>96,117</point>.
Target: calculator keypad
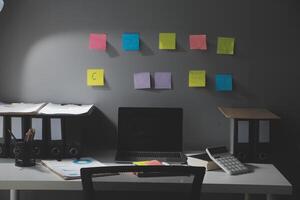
<point>231,165</point>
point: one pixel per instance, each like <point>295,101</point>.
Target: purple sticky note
<point>162,80</point>
<point>142,80</point>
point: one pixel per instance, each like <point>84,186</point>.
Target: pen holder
<point>23,154</point>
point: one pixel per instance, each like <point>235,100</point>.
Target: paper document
<point>23,108</point>
<point>70,168</point>
<point>69,109</point>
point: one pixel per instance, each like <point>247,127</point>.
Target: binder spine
<point>73,136</point>
<point>4,137</point>
<point>55,146</point>
<point>39,143</point>
<point>242,140</point>
<point>12,148</point>
<point>263,138</point>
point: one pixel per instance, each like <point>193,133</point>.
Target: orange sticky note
<point>98,41</point>
<point>198,42</point>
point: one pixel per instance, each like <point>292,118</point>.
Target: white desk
<point>265,179</point>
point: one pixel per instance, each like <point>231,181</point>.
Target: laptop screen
<point>150,129</point>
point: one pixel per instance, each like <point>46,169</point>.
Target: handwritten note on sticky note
<point>224,82</point>
<point>197,78</point>
<point>225,45</point>
<point>131,41</point>
<point>162,80</point>
<point>167,41</point>
<point>95,77</point>
<point>98,41</point>
<point>198,42</point>
<point>142,80</point>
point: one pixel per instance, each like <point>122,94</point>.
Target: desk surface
<point>265,179</point>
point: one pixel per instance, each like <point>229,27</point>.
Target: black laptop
<point>150,134</point>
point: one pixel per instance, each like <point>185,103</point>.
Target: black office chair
<point>197,172</point>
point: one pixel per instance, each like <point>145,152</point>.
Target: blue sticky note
<point>131,41</point>
<point>224,82</point>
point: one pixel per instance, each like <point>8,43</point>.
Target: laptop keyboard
<point>152,154</point>
<point>170,157</point>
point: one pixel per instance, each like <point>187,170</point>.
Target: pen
<point>32,134</point>
<point>29,135</point>
<point>14,137</point>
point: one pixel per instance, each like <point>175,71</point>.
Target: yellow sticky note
<point>167,40</point>
<point>95,77</point>
<point>197,78</point>
<point>140,163</point>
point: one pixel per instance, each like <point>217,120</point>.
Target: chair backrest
<point>197,172</point>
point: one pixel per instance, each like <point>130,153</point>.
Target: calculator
<point>226,160</point>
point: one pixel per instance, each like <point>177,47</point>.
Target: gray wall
<point>44,55</point>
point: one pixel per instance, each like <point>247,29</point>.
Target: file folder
<point>251,131</point>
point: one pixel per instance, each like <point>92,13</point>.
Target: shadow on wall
<point>100,132</point>
<point>145,49</point>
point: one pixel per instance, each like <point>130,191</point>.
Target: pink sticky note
<point>153,162</point>
<point>98,41</point>
<point>198,42</point>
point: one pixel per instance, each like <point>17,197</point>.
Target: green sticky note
<point>225,45</point>
<point>167,41</point>
<point>197,78</point>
